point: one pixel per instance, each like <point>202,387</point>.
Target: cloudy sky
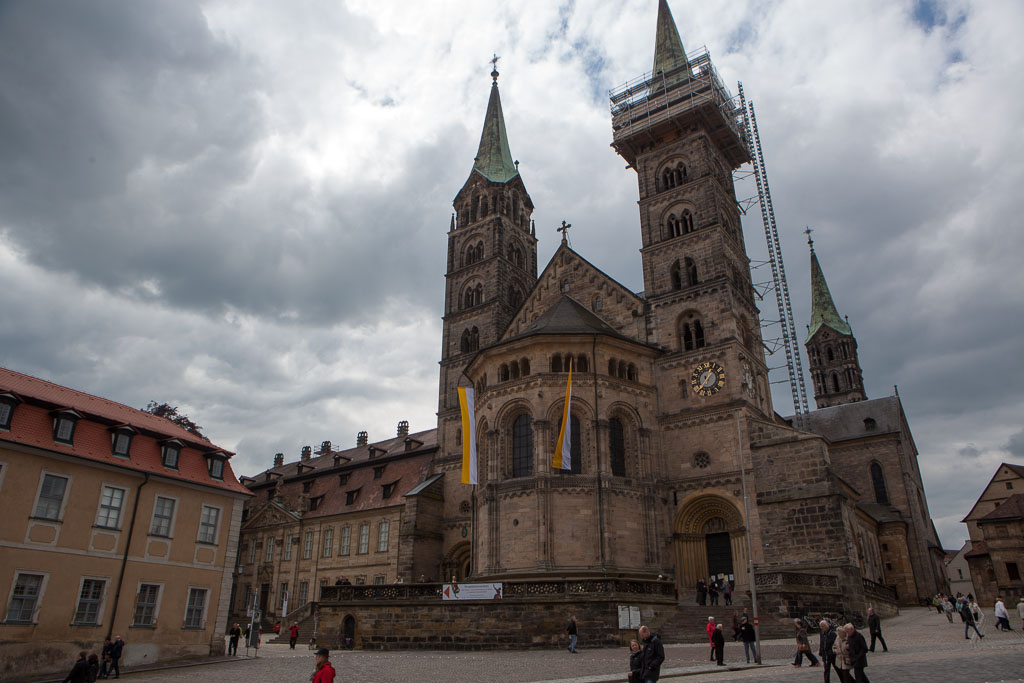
<point>240,208</point>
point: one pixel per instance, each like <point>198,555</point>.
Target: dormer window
<point>307,486</point>
<point>342,479</point>
<point>121,441</point>
<point>378,472</point>
<point>64,426</point>
<point>215,463</point>
<point>170,452</point>
<point>388,489</point>
<point>7,405</point>
<point>351,497</point>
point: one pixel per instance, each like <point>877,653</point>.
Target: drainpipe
<point>124,558</point>
<point>597,452</point>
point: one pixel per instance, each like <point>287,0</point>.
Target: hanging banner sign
<point>471,591</point>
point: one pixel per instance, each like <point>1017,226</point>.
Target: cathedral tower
<point>831,347</point>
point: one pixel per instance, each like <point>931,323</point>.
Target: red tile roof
<point>978,549</point>
<point>32,425</point>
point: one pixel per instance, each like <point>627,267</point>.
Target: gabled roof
<point>1016,469</point>
<point>568,316</point>
<point>846,421</point>
<point>32,425</point>
<point>493,158</point>
<point>1011,508</point>
<point>823,309</point>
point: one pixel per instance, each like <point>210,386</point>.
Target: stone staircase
<point>689,623</point>
<point>305,633</point>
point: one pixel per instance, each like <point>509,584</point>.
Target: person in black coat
<point>718,645</point>
<point>654,655</point>
<point>749,638</point>
<point>636,662</point>
<point>116,650</point>
<point>80,671</point>
<point>702,592</point>
<point>875,629</point>
<point>825,651</point>
<point>858,653</point>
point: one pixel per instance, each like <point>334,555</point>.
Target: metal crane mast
<point>771,235</point>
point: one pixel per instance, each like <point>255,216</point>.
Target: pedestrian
<point>803,646</point>
<point>636,662</point>
<point>718,645</point>
<point>875,629</point>
<point>1020,610</point>
<point>116,650</point>
<point>735,625</point>
<point>727,592</point>
<point>1002,616</point>
<point>713,590</point>
<point>826,648</point>
<point>105,655</point>
<point>94,667</point>
<point>702,592</point>
<point>970,621</point>
<point>293,635</point>
<point>570,630</point>
<point>80,671</point>
<point>233,636</point>
<point>947,609</point>
<point>654,655</point>
<point>841,649</point>
<point>748,636</point>
<point>858,654</point>
<point>710,629</point>
<point>324,672</point>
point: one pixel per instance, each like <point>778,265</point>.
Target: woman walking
<point>803,646</point>
<point>842,658</point>
<point>636,662</point>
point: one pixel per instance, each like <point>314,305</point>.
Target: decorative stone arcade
<point>710,539</point>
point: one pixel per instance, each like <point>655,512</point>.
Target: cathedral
<point>681,468</point>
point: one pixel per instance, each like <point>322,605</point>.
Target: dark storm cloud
<point>1015,446</point>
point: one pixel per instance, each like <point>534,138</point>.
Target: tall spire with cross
<point>493,158</point>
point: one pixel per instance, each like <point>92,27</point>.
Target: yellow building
<point>117,522</point>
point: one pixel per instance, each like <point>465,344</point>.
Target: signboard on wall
<point>629,617</point>
<point>471,591</point>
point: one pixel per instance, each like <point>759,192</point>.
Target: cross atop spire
<point>810,242</point>
<point>493,158</point>
<point>494,68</point>
<point>565,231</point>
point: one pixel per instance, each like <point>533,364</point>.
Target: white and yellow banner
<point>563,449</point>
<point>468,435</point>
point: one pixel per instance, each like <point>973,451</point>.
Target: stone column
<point>542,473</point>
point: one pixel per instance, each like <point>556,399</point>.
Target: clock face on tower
<point>708,378</point>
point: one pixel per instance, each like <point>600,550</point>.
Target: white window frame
<point>252,551</point>
<point>174,516</point>
<point>177,458</point>
<point>328,542</point>
<point>383,531</point>
<point>303,592</point>
<point>216,467</point>
<point>188,606</point>
<point>307,546</point>
<point>268,549</point>
<point>61,419</point>
<point>156,606</point>
<point>288,547</point>
<point>364,539</point>
<point>101,605</point>
<point>64,500</point>
<point>5,424</point>
<point>39,596</point>
<point>345,546</point>
<point>99,506</point>
<point>216,527</point>
<point>116,436</point>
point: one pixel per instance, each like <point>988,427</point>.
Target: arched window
<point>503,373</point>
<point>524,367</point>
<point>878,481</point>
<point>515,297</point>
<point>470,340</point>
<point>556,363</point>
<point>515,255</point>
<point>483,206</point>
<point>667,179</point>
<point>849,377</point>
<point>870,424</point>
<point>475,210</point>
<point>845,348</point>
<point>675,226</point>
<point>464,345</point>
<point>691,272</point>
<point>611,367</point>
<point>522,446</point>
<point>698,334</point>
<point>676,276</point>
<point>835,382</point>
<point>617,447</point>
<point>621,371</point>
<point>479,251</point>
<point>514,371</point>
<point>631,372</point>
<point>687,222</point>
<point>829,354</point>
<point>582,364</point>
<point>575,449</point>
<point>687,337</point>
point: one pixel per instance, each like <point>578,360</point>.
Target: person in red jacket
<point>293,634</point>
<point>711,632</point>
<point>324,671</point>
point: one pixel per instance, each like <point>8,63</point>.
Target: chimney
<point>362,438</point>
<point>278,459</point>
<point>325,447</point>
<point>306,452</point>
<point>403,428</point>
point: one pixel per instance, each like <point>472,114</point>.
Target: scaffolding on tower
<point>790,345</point>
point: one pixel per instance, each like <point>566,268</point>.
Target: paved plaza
<point>924,647</point>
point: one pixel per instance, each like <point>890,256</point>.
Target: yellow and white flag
<point>468,435</point>
<point>563,449</point>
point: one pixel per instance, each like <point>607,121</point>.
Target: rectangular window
<point>307,546</point>
<point>269,556</point>
<point>364,538</point>
<point>382,536</point>
<point>351,497</point>
<point>51,495</point>
<point>109,514</point>
<point>1009,485</point>
<point>342,479</point>
<point>170,455</point>
<point>5,414</point>
<point>252,552</point>
<point>145,605</point>
<point>328,542</point>
<point>63,428</point>
<point>24,598</point>
<point>288,548</point>
<point>379,579</point>
<point>360,580</point>
<point>378,472</point>
<point>216,468</point>
<point>120,443</point>
<point>314,503</point>
<point>248,597</point>
<point>284,596</point>
<point>163,514</point>
<point>194,609</point>
<point>387,490</point>
<point>89,599</point>
<point>1013,571</point>
<point>208,525</point>
<point>346,539</point>
<point>303,592</point>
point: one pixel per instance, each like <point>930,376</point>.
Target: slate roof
<point>823,309</point>
<point>32,425</point>
<point>881,513</point>
<point>1011,508</point>
<point>493,158</point>
<point>668,47</point>
<point>842,422</point>
<point>568,316</point>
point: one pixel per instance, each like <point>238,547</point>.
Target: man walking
<point>858,654</point>
<point>293,634</point>
<point>116,650</point>
<point>234,634</point>
<point>875,629</point>
<point>654,655</point>
<point>1002,616</point>
<point>718,645</point>
<point>571,632</point>
<point>825,651</point>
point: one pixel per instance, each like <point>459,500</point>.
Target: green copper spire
<point>493,158</point>
<point>668,47</point>
<point>823,309</point>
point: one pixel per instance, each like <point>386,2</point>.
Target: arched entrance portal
<point>710,540</point>
<point>458,562</point>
